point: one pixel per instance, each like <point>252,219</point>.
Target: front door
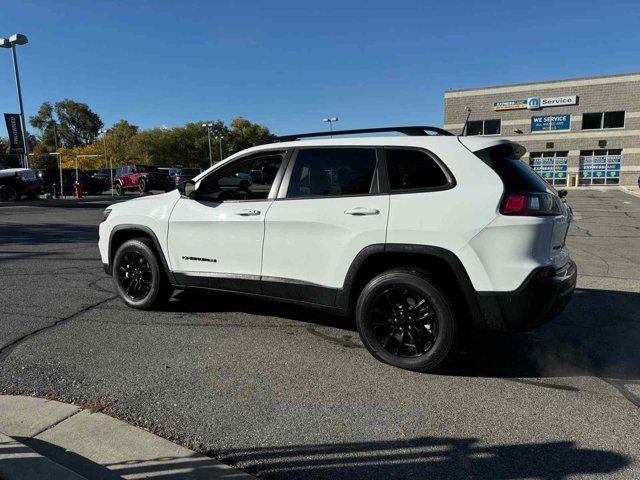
<point>328,212</point>
<point>215,238</point>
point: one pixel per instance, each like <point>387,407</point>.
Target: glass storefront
<point>600,167</point>
<point>552,166</point>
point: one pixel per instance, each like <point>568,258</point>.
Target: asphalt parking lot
<point>287,392</point>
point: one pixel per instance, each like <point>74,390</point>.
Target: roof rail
<point>413,130</point>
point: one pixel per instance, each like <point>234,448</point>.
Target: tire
<point>9,193</point>
<point>149,288</point>
<point>143,185</point>
<point>389,322</point>
<point>119,189</point>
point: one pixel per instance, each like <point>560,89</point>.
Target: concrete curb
<point>91,445</point>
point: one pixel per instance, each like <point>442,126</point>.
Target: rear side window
<point>413,170</point>
<point>515,174</point>
<point>332,172</point>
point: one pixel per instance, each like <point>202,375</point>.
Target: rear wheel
<point>9,193</point>
<point>138,275</point>
<point>143,185</point>
<point>404,319</point>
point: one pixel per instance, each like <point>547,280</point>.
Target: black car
<point>104,174</point>
<point>18,182</point>
<point>90,185</point>
<point>184,174</point>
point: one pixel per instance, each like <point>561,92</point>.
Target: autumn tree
<point>76,124</point>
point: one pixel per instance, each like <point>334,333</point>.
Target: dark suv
<point>142,178</point>
<point>90,185</point>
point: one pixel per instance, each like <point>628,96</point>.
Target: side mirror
<point>187,188</point>
<point>562,193</point>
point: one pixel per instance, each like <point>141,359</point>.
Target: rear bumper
<point>538,300</point>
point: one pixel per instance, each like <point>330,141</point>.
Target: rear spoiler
<point>477,143</point>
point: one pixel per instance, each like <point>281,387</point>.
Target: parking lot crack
<point>7,349</point>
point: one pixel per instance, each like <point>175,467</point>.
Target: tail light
<point>530,204</point>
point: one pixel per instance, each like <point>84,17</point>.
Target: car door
<point>215,238</point>
<point>328,209</point>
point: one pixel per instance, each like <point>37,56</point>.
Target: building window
<point>551,166</point>
<point>600,167</point>
<point>483,127</point>
<point>601,120</point>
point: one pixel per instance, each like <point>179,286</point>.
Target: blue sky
<point>289,63</point>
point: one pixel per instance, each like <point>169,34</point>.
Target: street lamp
<point>330,120</point>
<point>110,167</point>
<point>220,142</point>
<point>18,39</point>
<point>208,126</point>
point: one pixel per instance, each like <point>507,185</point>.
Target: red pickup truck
<point>141,178</point>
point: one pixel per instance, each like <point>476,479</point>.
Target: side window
<point>413,170</point>
<point>332,172</point>
<point>248,180</point>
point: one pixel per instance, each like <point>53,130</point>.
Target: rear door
<point>328,209</point>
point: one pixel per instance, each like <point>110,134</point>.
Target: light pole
<point>220,142</point>
<point>330,121</point>
<point>208,126</point>
<point>18,39</point>
<point>110,167</point>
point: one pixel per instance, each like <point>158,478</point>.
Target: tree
<point>118,138</point>
<point>245,134</point>
<point>77,124</point>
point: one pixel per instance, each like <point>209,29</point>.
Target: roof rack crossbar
<point>412,130</point>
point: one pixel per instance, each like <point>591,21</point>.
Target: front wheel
<point>139,276</point>
<point>9,193</point>
<point>119,189</point>
<point>404,319</point>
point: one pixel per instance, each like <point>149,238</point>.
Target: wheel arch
<point>445,266</point>
<point>121,233</point>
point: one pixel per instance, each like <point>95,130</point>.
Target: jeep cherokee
<point>419,237</point>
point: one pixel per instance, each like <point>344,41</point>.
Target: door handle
<point>360,211</point>
<point>247,212</point>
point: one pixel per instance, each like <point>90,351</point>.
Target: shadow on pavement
<point>429,458</point>
<point>37,234</point>
<point>166,468</point>
<point>598,334</point>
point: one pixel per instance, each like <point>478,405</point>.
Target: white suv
<point>419,237</point>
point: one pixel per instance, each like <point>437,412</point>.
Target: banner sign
<point>547,123</point>
<point>14,129</point>
<point>510,105</point>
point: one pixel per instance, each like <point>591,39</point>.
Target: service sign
<point>547,123</point>
<point>558,101</point>
<point>510,105</point>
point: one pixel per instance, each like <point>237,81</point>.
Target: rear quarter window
<point>414,170</point>
<point>516,175</point>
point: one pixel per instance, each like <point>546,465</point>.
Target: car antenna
<point>464,128</point>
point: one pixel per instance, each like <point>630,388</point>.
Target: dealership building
<point>577,132</point>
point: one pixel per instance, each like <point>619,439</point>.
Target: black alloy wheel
<point>135,275</point>
<point>139,276</point>
<point>406,320</point>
